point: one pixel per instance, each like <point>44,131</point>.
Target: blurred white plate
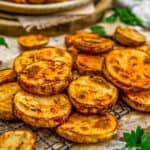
<point>40,8</point>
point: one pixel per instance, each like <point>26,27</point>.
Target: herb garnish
<point>137,139</point>
<point>125,15</point>
<point>3,42</point>
<point>99,30</point>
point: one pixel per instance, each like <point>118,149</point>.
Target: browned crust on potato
<point>52,112</point>
<point>89,42</point>
<point>7,92</point>
<point>86,109</point>
<point>128,69</point>
<point>7,75</point>
<point>93,44</point>
<point>89,64</point>
<point>138,100</point>
<point>43,54</point>
<point>4,136</point>
<point>129,37</point>
<point>45,78</point>
<point>116,82</point>
<point>88,129</point>
<point>70,38</point>
<point>89,94</point>
<point>74,53</point>
<point>23,60</point>
<point>145,48</point>
<point>33,41</point>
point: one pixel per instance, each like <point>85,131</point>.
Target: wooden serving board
<point>12,7</point>
<point>11,27</point>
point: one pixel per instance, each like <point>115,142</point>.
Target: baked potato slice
<point>138,100</point>
<point>7,93</point>
<point>89,64</point>
<point>54,54</point>
<point>92,43</point>
<point>43,54</point>
<point>23,60</point>
<point>145,48</point>
<point>129,69</point>
<point>45,78</point>
<point>33,41</point>
<point>88,129</point>
<point>129,37</point>
<point>17,140</point>
<point>70,38</point>
<point>7,75</point>
<point>38,111</point>
<point>114,81</point>
<point>74,53</point>
<point>92,94</point>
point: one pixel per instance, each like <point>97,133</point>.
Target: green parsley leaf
<point>134,138</point>
<point>3,42</point>
<point>145,143</point>
<point>110,19</point>
<point>139,134</point>
<point>99,30</point>
<point>125,15</point>
<point>129,139</point>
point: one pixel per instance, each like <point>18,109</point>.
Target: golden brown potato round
<point>129,37</point>
<point>129,69</point>
<point>45,78</point>
<point>92,94</point>
<point>23,60</point>
<point>17,140</point>
<point>88,129</point>
<point>92,43</point>
<point>7,75</point>
<point>74,53</point>
<point>138,100</point>
<point>70,38</point>
<point>145,48</point>
<point>89,42</point>
<point>32,41</point>
<point>38,111</point>
<point>44,54</point>
<point>7,93</point>
<point>89,64</point>
<point>54,54</point>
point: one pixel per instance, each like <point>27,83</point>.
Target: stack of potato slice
<point>8,88</point>
<point>19,139</point>
<point>129,69</point>
<point>43,75</point>
<point>125,62</point>
<point>45,91</point>
<point>89,93</point>
<point>72,91</point>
